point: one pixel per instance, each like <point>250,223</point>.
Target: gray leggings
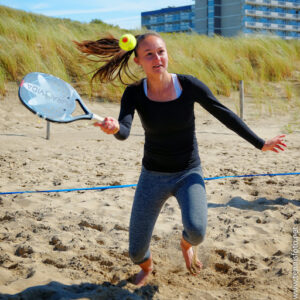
<point>153,189</point>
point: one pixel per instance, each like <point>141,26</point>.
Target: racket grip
<point>98,118</point>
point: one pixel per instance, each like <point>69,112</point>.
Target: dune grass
<point>31,42</point>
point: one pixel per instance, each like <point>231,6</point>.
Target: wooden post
<point>242,99</point>
<point>48,131</point>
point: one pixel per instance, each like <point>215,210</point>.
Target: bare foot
<point>147,268</point>
<point>141,278</point>
<point>191,261</point>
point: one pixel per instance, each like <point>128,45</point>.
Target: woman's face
<point>152,55</point>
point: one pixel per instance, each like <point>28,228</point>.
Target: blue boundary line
<point>132,185</point>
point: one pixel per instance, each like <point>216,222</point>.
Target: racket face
<point>49,97</point>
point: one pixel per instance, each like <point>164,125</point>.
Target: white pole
<point>242,99</point>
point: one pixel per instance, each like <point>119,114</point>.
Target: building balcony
<point>271,14</point>
<point>165,20</point>
<point>153,21</point>
<point>185,17</point>
<point>271,26</point>
<point>292,37</point>
<point>177,27</point>
<point>285,37</point>
<point>274,3</point>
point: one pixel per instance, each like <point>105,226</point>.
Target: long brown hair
<point>107,51</point>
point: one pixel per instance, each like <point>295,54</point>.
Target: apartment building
<point>170,19</point>
<point>233,17</point>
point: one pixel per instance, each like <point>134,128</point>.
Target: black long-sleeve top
<point>170,139</point>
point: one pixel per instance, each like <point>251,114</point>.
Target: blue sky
<point>126,14</point>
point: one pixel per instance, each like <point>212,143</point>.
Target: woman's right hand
<point>109,125</point>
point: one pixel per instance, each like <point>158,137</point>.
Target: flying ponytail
<point>108,51</point>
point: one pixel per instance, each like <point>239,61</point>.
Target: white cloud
<point>126,14</point>
<point>134,18</point>
<point>126,23</point>
<point>41,5</point>
<point>113,6</point>
<point>77,11</point>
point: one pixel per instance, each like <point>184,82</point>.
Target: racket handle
<point>96,117</point>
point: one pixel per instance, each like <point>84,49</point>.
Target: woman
<point>171,164</point>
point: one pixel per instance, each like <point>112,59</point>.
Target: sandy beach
<point>74,245</point>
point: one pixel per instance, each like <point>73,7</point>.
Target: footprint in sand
<point>24,251</point>
<point>58,245</point>
<point>91,225</point>
<point>58,265</point>
<point>222,268</point>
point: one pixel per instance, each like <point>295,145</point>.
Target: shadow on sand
<point>58,291</point>
<point>259,204</point>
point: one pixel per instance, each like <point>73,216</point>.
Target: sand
<point>74,245</point>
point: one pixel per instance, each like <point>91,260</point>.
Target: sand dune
<point>75,245</point>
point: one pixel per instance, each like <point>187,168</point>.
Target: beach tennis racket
<point>52,98</point>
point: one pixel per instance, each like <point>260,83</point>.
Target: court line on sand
<point>133,185</point>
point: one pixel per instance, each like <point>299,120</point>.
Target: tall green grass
<point>31,42</point>
<point>223,62</point>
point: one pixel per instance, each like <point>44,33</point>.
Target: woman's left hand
<point>274,144</point>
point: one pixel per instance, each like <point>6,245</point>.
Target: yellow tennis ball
<point>127,42</point>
